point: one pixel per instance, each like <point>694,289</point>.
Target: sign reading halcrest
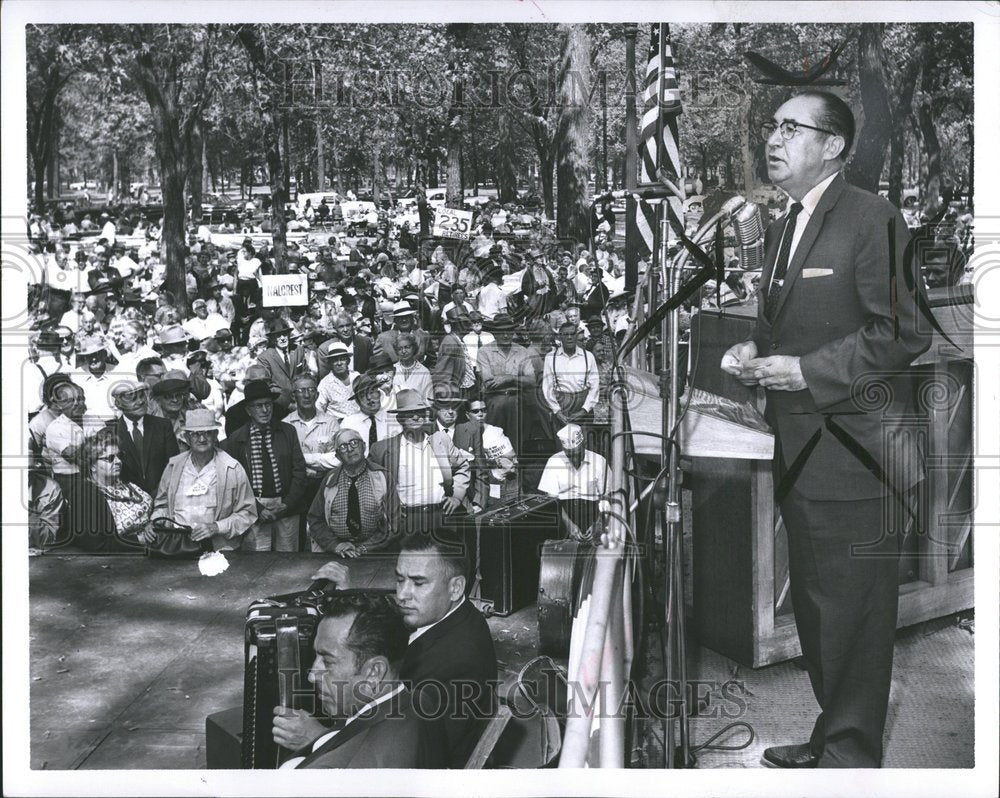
<point>281,290</point>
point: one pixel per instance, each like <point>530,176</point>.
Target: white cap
<point>403,308</point>
<point>570,436</point>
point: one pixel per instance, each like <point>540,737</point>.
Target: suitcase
<point>506,542</point>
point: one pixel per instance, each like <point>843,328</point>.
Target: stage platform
<point>129,655</point>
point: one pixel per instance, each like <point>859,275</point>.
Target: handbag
<point>173,541</point>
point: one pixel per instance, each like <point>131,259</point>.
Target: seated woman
<point>105,513</point>
<point>496,478</point>
<point>350,515</point>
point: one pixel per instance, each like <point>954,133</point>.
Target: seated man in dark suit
<point>450,657</point>
<point>145,442</point>
<point>360,645</point>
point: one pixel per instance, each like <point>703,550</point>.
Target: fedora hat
<point>173,380</point>
<point>362,383</point>
<point>48,339</point>
<point>378,363</point>
<point>171,334</point>
<point>503,322</point>
<point>410,401</point>
<point>447,394</point>
<point>258,389</point>
<point>403,308</point>
<point>200,421</point>
<point>276,327</point>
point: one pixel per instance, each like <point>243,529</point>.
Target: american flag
<point>658,147</point>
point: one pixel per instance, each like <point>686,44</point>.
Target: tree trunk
<point>932,149</point>
<point>196,170</point>
<point>865,168</point>
<point>900,117</point>
<point>573,156</point>
<point>53,166</point>
<point>545,167</point>
<point>172,236</point>
<point>377,174</point>
<point>506,176</point>
<point>320,157</point>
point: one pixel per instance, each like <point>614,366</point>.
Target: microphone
<point>748,225</point>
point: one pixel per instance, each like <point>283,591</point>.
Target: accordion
<point>278,653</point>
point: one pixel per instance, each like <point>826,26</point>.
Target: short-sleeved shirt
<point>588,482</point>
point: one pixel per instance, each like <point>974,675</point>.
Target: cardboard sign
<point>285,290</point>
<point>452,223</point>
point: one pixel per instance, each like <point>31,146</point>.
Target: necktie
<point>137,437</point>
<point>372,433</point>
<point>781,265</point>
<point>353,507</point>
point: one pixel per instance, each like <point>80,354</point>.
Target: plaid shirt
<point>262,461</point>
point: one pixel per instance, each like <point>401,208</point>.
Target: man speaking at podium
<point>835,327</point>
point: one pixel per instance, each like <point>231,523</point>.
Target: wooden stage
<point>129,654</point>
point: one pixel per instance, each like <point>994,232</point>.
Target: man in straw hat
<point>336,391</point>
<point>270,453</point>
<point>205,488</point>
<point>578,478</point>
<point>429,473</point>
<point>404,320</point>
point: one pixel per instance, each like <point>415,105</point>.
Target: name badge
<point>199,488</point>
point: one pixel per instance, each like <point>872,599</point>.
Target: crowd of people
<point>424,378</point>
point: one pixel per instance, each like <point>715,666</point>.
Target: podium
<point>741,602</point>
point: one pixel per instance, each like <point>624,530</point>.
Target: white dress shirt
<point>809,203</point>
<point>420,480</point>
<point>421,630</point>
<point>562,373</point>
<point>385,425</point>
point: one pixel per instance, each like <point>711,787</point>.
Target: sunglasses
<point>477,410</point>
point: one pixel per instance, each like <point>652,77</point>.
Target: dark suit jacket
<point>455,652</point>
<point>393,737</point>
<point>281,376</point>
<point>837,314</point>
<point>469,436</point>
<point>363,347</point>
<point>159,444</point>
<point>287,451</point>
<point>449,368</point>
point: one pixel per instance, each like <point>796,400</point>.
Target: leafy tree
<point>173,65</point>
<point>573,165</point>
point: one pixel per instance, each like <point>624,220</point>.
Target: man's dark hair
<point>836,115</point>
<point>377,628</point>
<point>448,546</point>
<point>144,366</point>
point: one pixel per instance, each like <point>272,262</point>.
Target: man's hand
<point>294,728</point>
<point>346,549</point>
<point>574,531</point>
<point>450,505</point>
<point>778,373</point>
<point>336,572</point>
<point>736,361</point>
<point>203,531</point>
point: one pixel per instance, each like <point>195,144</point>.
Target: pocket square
<point>817,272</point>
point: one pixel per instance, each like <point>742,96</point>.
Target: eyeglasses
<point>306,391</point>
<point>477,410</point>
<point>788,129</point>
<point>200,433</point>
<point>109,458</point>
<point>350,446</point>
